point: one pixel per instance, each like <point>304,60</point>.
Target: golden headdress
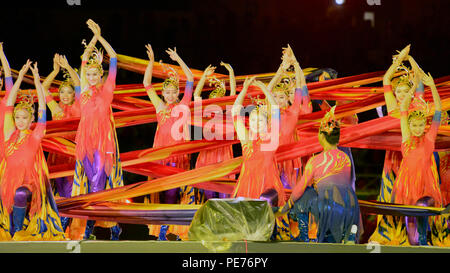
<point>219,90</point>
<point>329,122</point>
<point>260,105</point>
<point>403,79</point>
<point>285,85</point>
<point>444,118</point>
<point>67,80</point>
<point>95,59</point>
<point>26,102</point>
<point>418,108</point>
<point>173,76</point>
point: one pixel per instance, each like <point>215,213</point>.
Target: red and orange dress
<point>216,155</point>
<point>168,133</point>
<point>63,184</point>
<point>98,166</point>
<point>418,176</point>
<point>24,165</point>
<point>289,116</point>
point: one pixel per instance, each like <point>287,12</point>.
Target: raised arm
<point>198,89</point>
<point>155,99</point>
<point>73,74</point>
<point>84,60</point>
<point>175,57</point>
<point>8,126</point>
<point>391,101</point>
<point>286,58</point>
<point>95,28</point>
<point>232,78</point>
<point>236,112</point>
<point>5,64</point>
<point>39,87</point>
<point>13,94</point>
<point>404,106</point>
<point>51,77</point>
<point>39,131</point>
<point>419,72</point>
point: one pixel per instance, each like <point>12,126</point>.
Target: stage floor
<point>98,246</point>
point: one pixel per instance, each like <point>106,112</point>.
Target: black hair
<point>333,137</point>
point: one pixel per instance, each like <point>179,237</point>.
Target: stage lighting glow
<point>339,2</point>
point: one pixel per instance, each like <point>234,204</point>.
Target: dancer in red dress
<point>25,189</point>
<point>98,165</point>
<point>168,133</point>
<point>211,156</point>
<point>289,114</point>
<point>68,107</point>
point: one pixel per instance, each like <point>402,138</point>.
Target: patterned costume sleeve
<point>39,130</point>
<point>54,107</point>
<point>187,93</point>
<point>8,85</point>
<point>8,125</point>
<point>110,84</point>
<point>306,106</point>
<point>430,137</point>
<point>305,180</point>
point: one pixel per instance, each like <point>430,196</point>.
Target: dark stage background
<point>247,34</point>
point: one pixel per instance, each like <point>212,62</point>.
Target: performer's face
<point>401,91</point>
<point>22,119</point>
<point>417,126</point>
<point>170,94</point>
<point>281,99</point>
<point>257,122</point>
<point>93,76</point>
<point>66,95</point>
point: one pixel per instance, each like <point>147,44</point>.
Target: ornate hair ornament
<point>260,105</point>
<point>173,75</point>
<point>67,79</point>
<point>95,58</point>
<point>26,102</point>
<point>403,79</point>
<point>285,85</point>
<point>444,118</point>
<point>220,88</point>
<point>329,122</point>
<point>418,108</point>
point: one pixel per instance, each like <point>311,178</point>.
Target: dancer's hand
<point>56,65</point>
<point>227,66</point>
<point>62,61</point>
<point>94,27</point>
<point>427,79</point>
<point>173,54</point>
<point>398,59</point>
<point>209,70</point>
<point>259,84</point>
<point>150,53</point>
<point>35,70</point>
<point>248,81</point>
<point>25,68</point>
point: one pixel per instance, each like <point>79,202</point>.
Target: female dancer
<point>417,182</point>
<point>97,153</point>
<point>259,176</point>
<point>68,107</point>
<point>402,87</point>
<point>325,190</point>
<point>224,153</point>
<point>166,109</point>
<point>25,189</point>
<point>289,115</point>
